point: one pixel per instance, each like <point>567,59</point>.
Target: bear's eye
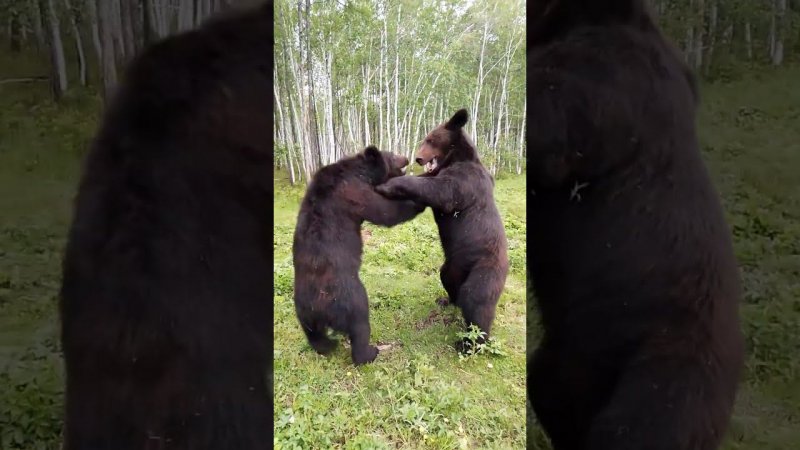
<point>429,141</point>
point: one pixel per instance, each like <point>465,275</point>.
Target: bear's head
<point>447,144</point>
<point>383,165</point>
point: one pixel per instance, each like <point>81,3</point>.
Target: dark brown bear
<point>166,302</point>
<point>459,190</point>
<point>327,247</point>
<point>630,257</point>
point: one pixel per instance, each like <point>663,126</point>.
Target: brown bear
<point>166,298</point>
<point>327,247</point>
<point>459,189</point>
<point>629,255</point>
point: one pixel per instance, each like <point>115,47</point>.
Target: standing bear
<point>630,257</point>
<point>166,298</point>
<point>459,190</point>
<point>327,247</point>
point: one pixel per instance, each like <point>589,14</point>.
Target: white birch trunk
<point>59,64</point>
<point>78,43</point>
<point>748,39</point>
<point>521,140</point>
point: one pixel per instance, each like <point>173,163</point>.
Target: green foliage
<point>473,334</point>
<point>32,397</point>
<point>40,146</point>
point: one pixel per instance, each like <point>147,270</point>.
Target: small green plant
<point>476,343</point>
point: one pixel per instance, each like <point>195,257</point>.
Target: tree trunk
<point>137,14</point>
<point>281,122</point>
<point>728,38</point>
<point>14,31</point>
<point>329,110</point>
<point>689,44</point>
<point>521,140</point>
<point>365,99</point>
<point>699,35</point>
<point>105,19</point>
<point>779,26</point>
<point>155,20</point>
<point>38,28</point>
<point>748,39</point>
<point>95,27</point>
<point>23,30</point>
<point>127,19</point>
<point>117,30</point>
<point>380,86</point>
<point>312,110</point>
<point>712,37</point>
<point>78,43</point>
<point>56,47</point>
<point>186,15</point>
<point>772,25</point>
<point>159,18</point>
<point>148,22</point>
<point>479,85</point>
<point>168,16</point>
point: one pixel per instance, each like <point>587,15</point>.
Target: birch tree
<point>353,73</point>
<point>76,34</point>
<point>55,45</point>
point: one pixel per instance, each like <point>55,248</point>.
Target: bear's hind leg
<point>553,399</point>
<point>452,279</point>
<point>478,298</point>
<point>665,403</point>
<point>318,338</point>
<point>358,328</point>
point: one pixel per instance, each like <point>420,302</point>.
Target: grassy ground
<point>418,394</point>
<point>40,148</point>
<point>751,136</point>
<point>750,133</point>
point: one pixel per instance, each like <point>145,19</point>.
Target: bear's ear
<point>458,120</point>
<point>372,153</point>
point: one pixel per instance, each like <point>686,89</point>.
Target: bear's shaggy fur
<point>166,302</point>
<point>629,255</point>
<point>327,247</point>
<point>459,190</point>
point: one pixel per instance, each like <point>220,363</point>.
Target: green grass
<point>418,394</point>
<point>40,148</point>
<point>750,131</point>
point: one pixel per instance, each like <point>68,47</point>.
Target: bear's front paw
<point>385,190</point>
<point>391,190</point>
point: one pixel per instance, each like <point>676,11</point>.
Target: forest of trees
<point>385,72</point>
<point>89,41</point>
<point>720,37</point>
<point>353,72</point>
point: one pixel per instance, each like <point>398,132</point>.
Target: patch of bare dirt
<point>435,316</point>
<point>366,235</point>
